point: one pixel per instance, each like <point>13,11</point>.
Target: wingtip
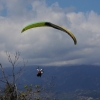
<point>75,42</point>
<point>23,30</point>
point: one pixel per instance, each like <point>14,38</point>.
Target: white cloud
<point>47,45</point>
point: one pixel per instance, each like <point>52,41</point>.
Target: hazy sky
<point>48,46</point>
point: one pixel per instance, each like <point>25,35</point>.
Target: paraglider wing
<point>41,24</point>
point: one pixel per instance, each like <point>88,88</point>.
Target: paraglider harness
<point>40,72</point>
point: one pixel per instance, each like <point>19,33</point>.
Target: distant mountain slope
<point>83,77</point>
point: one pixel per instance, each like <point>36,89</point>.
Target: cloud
<point>47,45</point>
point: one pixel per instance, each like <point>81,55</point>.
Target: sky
<point>48,46</point>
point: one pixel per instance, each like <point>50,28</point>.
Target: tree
<point>11,92</point>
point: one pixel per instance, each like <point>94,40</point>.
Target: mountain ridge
<point>64,78</point>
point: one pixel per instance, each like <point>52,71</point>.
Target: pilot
<point>40,72</point>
